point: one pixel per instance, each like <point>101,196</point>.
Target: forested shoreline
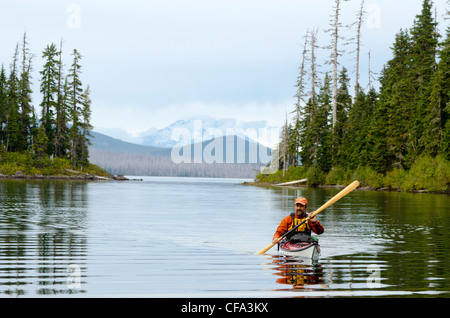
<point>55,137</point>
<point>394,138</point>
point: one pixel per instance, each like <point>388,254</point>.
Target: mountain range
<point>258,131</point>
<point>199,153</point>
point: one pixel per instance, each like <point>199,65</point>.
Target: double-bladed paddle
<point>352,186</point>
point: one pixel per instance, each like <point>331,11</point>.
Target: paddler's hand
<point>313,219</point>
<point>276,240</point>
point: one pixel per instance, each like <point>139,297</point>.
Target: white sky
<point>150,63</point>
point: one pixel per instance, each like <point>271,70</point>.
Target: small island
<point>25,166</point>
<point>76,175</point>
<point>51,142</point>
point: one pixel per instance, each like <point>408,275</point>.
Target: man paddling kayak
<point>303,232</point>
<point>352,186</point>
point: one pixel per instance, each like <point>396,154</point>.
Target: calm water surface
<point>187,237</point>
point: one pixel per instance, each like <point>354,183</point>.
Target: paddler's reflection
<point>297,273</point>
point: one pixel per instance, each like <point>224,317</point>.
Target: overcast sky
<point>150,63</point>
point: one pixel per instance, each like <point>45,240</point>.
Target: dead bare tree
<point>359,23</point>
<point>300,77</point>
<point>335,28</point>
<point>313,67</point>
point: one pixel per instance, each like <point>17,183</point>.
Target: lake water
<point>188,237</point>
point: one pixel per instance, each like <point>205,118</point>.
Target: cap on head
<point>302,201</point>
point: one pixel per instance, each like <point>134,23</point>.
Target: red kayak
<point>307,250</point>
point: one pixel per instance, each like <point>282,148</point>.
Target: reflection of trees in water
<point>40,226</point>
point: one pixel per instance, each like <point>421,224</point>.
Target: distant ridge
<point>102,142</point>
<point>120,157</point>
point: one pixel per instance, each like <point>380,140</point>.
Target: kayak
<point>306,250</point>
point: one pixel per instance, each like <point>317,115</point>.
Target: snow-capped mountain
<point>191,131</point>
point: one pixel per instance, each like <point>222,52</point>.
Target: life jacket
<point>304,228</point>
<point>302,233</point>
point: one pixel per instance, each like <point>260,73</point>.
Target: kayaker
<point>304,230</point>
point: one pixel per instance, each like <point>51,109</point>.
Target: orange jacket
<point>287,222</point>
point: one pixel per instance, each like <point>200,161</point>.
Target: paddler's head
<point>301,205</point>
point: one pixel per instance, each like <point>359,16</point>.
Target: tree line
<point>407,119</point>
<point>147,164</point>
<point>60,128</point>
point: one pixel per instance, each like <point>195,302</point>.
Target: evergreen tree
<point>294,144</point>
<point>13,137</point>
<point>40,145</point>
<point>435,115</point>
<point>308,145</point>
<point>315,129</point>
<point>344,103</point>
<point>75,102</point>
<point>85,127</point>
<point>3,103</point>
<point>391,124</point>
<point>322,124</point>
<point>356,137</point>
<point>62,146</point>
<point>26,110</point>
<point>440,98</point>
<point>283,147</point>
<point>307,132</point>
<point>2,152</point>
<point>49,92</point>
<point>424,39</point>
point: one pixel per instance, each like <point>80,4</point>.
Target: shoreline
<point>76,176</point>
<point>337,186</point>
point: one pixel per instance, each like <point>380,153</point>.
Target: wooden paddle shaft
<point>352,186</point>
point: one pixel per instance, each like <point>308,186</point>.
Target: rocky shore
<point>73,175</point>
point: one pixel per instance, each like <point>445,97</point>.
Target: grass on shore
<point>12,162</point>
<point>426,174</point>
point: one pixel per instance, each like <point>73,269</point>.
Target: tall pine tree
<point>424,38</point>
<point>85,127</point>
<point>75,102</point>
<point>391,126</point>
<point>315,129</point>
<point>440,99</point>
<point>322,125</point>
<point>14,140</point>
<point>357,135</point>
<point>62,139</point>
<point>344,104</point>
<point>27,126</point>
<point>3,103</point>
<point>49,90</point>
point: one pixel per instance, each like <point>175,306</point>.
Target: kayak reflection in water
<point>294,272</point>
